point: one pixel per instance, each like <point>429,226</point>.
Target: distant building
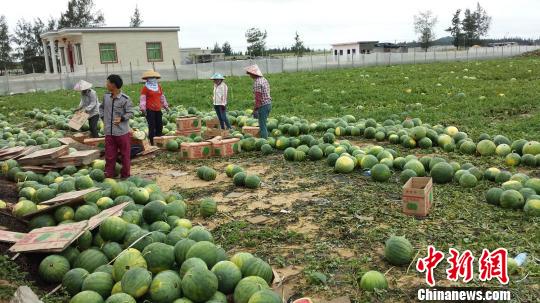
<point>391,48</point>
<point>353,48</point>
<point>110,48</point>
<point>194,55</point>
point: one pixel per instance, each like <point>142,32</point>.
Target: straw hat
<point>82,85</point>
<point>254,70</point>
<point>151,74</point>
<point>217,76</point>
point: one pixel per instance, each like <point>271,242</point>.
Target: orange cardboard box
<point>215,132</point>
<point>213,123</point>
<point>252,130</point>
<point>195,150</point>
<point>189,133</point>
<point>417,196</point>
<point>161,141</point>
<point>191,122</point>
<point>225,147</point>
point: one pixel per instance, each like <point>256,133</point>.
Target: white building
<point>353,48</point>
<point>110,48</point>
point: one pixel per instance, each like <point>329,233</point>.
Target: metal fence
<point>307,62</point>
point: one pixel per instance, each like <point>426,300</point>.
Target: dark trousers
<point>93,122</point>
<point>155,124</point>
<point>263,113</point>
<point>221,111</point>
<point>115,145</point>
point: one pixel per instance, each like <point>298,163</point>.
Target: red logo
<point>494,265</point>
<point>429,263</point>
<point>460,265</point>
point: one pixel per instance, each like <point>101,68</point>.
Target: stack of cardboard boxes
<point>188,126</point>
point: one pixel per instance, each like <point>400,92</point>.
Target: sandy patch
<point>304,226</point>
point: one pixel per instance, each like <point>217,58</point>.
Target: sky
<point>319,22</point>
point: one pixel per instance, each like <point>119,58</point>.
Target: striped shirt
<point>220,94</point>
<point>261,90</point>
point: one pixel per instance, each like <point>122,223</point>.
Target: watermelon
<point>368,162</point>
<point>532,208</point>
<point>172,145</point>
<point>468,147</point>
<point>176,208</point>
<point>181,248</point>
<point>252,181</point>
<point>131,258</point>
<point>241,259</point>
<point>113,229</point>
<point>53,268</point>
<point>190,264</point>
<point>136,282</point>
<point>258,267</point>
<point>512,184</point>
<point>64,213</point>
<point>87,296</point>
<point>139,195</point>
<point>158,256</point>
<point>247,287</point>
<point>442,172</point>
<point>218,297</point>
<point>111,250</point>
<point>83,182</point>
<point>119,189</point>
<point>398,251</point>
<point>70,253</point>
<point>232,170</point>
<point>512,159</point>
<point>206,173</point>
<point>208,207</point>
<point>265,296</point>
<point>107,268</point>
<point>503,150</point>
<point>199,233</point>
<point>154,211</point>
<point>100,282</point>
<point>503,176</point>
<point>415,166</point>
<point>120,298</point>
<point>372,280</point>
<point>165,287</point>
<point>24,207</point>
<point>344,165</point>
<point>199,284</point>
<point>73,280</point>
<point>228,275</point>
<point>85,212</point>
<point>486,148</point>
<point>493,195</point>
<point>531,147</point>
<point>90,259</point>
<point>406,175</point>
<point>512,199</point>
<point>84,241</point>
<point>533,183</point>
<point>239,179</point>
<point>380,173</point>
<point>266,149</point>
<point>45,220</point>
<point>315,153</point>
<point>44,194</point>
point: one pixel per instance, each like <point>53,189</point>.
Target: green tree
<point>29,48</point>
<point>483,21</point>
<point>216,49</point>
<point>469,28</point>
<point>5,46</point>
<point>298,48</point>
<point>424,23</point>
<point>227,49</point>
<point>136,19</point>
<point>475,25</point>
<point>256,40</point>
<point>455,29</point>
<point>81,13</point>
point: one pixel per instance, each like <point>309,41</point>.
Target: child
<point>152,100</point>
<point>220,100</point>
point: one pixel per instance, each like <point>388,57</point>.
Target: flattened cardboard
<point>10,236</point>
<point>109,212</point>
<point>94,141</point>
<point>51,239</point>
<point>62,199</point>
<point>78,120</point>
<point>6,153</point>
<point>44,156</point>
<point>78,158</point>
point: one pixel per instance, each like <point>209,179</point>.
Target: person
<point>220,100</point>
<point>152,100</point>
<point>263,101</point>
<point>116,110</point>
<point>90,104</point>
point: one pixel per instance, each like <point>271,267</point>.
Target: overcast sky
<point>319,22</point>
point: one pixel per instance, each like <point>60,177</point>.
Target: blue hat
<point>217,76</point>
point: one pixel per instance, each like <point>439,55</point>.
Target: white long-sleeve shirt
<point>220,94</point>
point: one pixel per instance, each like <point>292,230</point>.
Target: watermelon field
<point>315,210</point>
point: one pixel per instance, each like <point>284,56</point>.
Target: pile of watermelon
<point>242,178</point>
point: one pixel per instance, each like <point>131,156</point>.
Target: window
<point>107,53</point>
<point>348,52</point>
<point>341,52</point>
<point>78,51</point>
<point>62,56</point>
<point>354,51</point>
<point>335,52</point>
<point>154,52</point>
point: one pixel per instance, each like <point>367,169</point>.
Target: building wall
<point>353,48</point>
<point>130,47</point>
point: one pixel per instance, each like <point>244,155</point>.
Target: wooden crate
<point>191,122</point>
<point>417,196</point>
<point>251,130</point>
<point>195,150</point>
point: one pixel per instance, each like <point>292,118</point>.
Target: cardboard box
<point>417,196</point>
<point>94,141</point>
<point>225,147</point>
<point>79,137</point>
<point>78,120</point>
<point>161,141</point>
<point>213,123</point>
<point>191,122</point>
<point>195,150</point>
<point>252,130</point>
<point>215,132</point>
<point>189,133</point>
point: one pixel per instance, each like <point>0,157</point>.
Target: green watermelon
<point>252,181</point>
<point>158,256</point>
<point>44,220</point>
<point>83,182</point>
<point>205,251</point>
<point>265,296</point>
<point>416,166</point>
<point>154,211</point>
<point>71,253</point>
<point>85,212</point>
<point>512,199</point>
<point>64,213</point>
<point>181,248</point>
<point>208,207</point>
<point>406,175</point>
<point>398,251</point>
<point>372,280</point>
<point>73,280</point>
<point>136,282</point>
<point>380,173</point>
<point>165,287</point>
<point>100,282</point>
<point>241,259</point>
<point>120,298</point>
<point>199,284</point>
<point>111,250</point>
<point>199,233</point>
<point>113,229</point>
<point>228,275</point>
<point>344,165</point>
<point>23,208</point>
<point>247,287</point>
<point>87,296</point>
<point>442,172</point>
<point>258,267</point>
<point>532,208</point>
<point>468,180</point>
<point>131,258</point>
<point>176,208</point>
<point>90,259</point>
<point>53,268</point>
<point>139,195</point>
<point>190,264</point>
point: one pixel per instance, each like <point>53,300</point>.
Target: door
<point>71,58</point>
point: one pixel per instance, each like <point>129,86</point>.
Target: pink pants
<point>113,146</point>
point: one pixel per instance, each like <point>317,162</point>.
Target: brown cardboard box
<point>189,133</point>
<point>191,122</point>
<point>417,196</point>
<point>195,150</point>
<point>94,141</point>
<point>79,137</point>
<point>252,130</point>
<point>215,132</point>
<point>213,123</point>
<point>161,141</point>
<point>225,147</point>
